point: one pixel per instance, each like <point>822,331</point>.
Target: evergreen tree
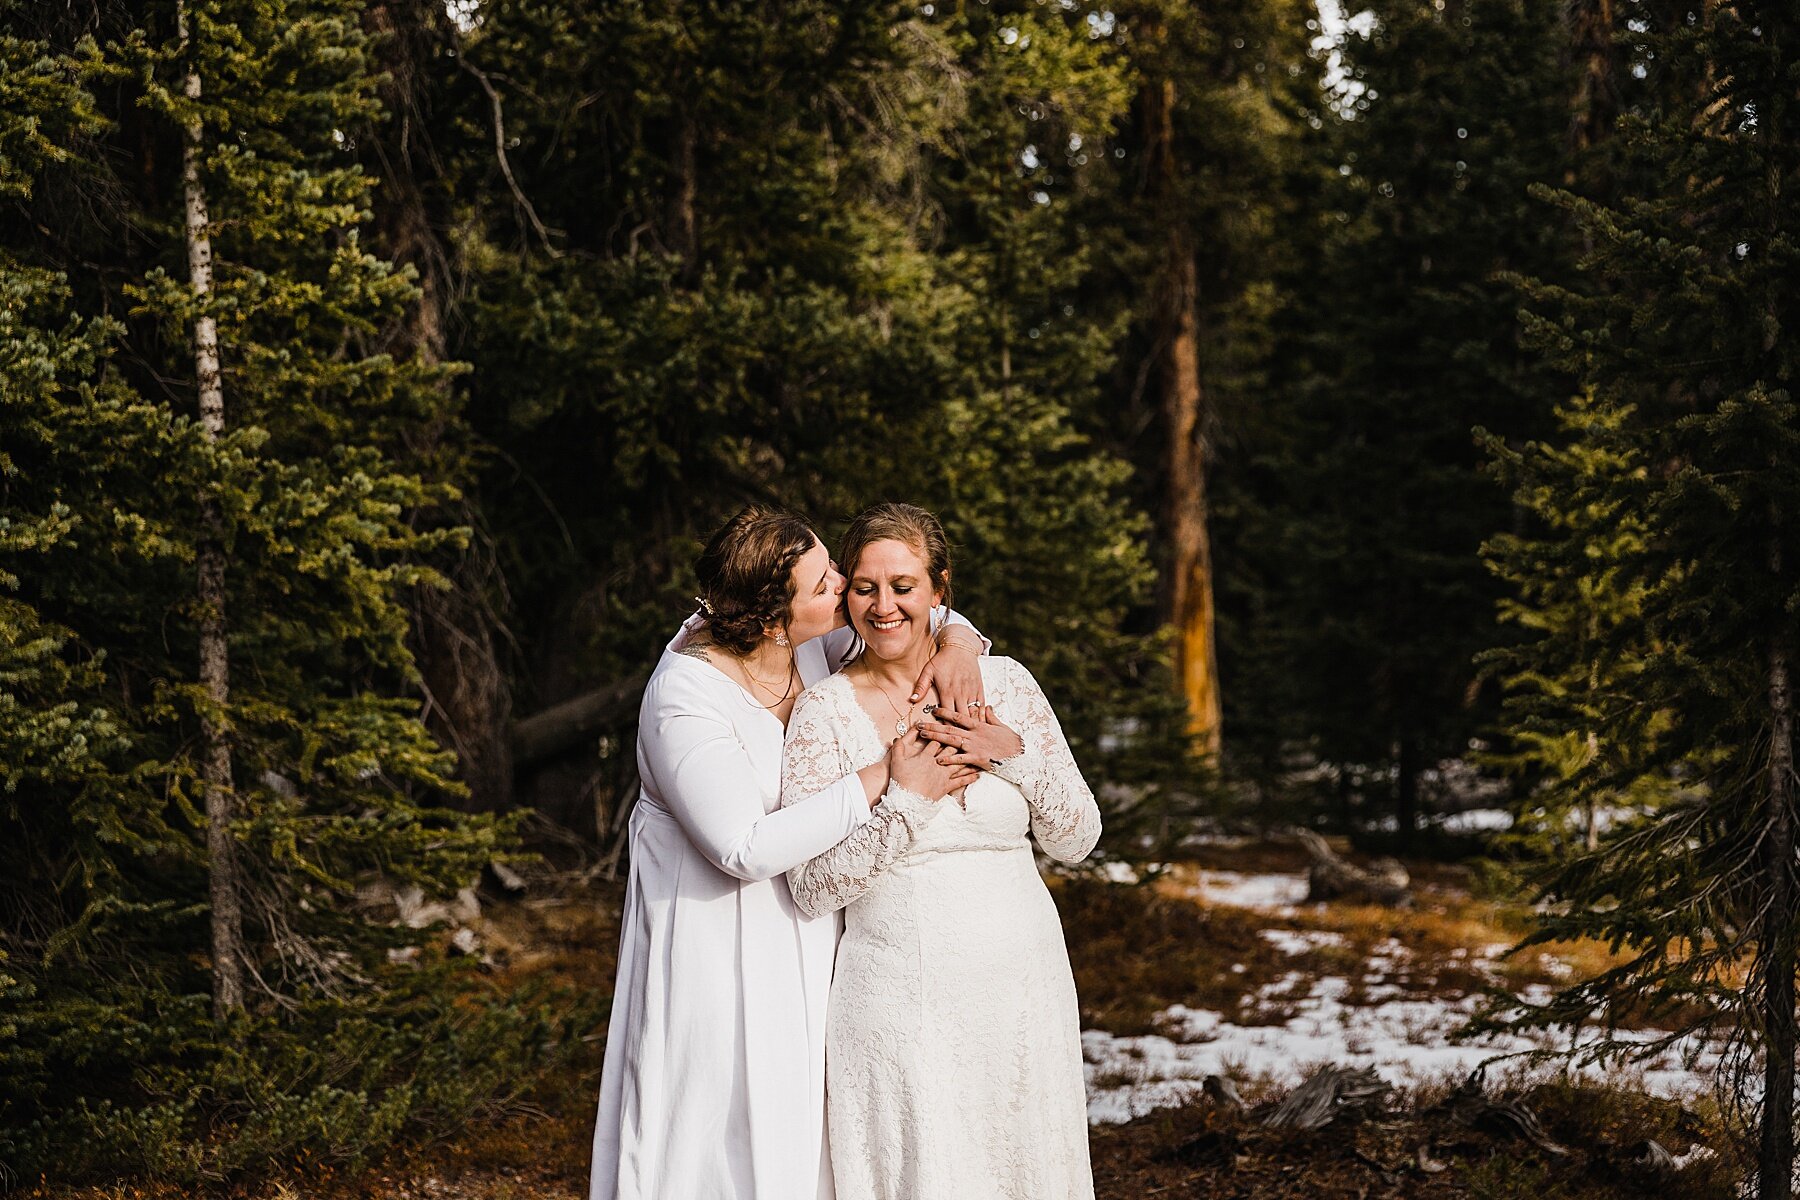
<point>1396,343</point>
<point>821,254</point>
<point>1578,595</point>
<point>1191,235</point>
<point>111,1061</point>
<point>1682,344</point>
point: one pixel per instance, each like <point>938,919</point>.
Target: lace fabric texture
<point>953,1060</point>
<point>829,736</point>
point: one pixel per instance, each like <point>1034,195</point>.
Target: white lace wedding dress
<point>953,1042</point>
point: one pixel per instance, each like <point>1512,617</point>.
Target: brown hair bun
<point>746,574</point>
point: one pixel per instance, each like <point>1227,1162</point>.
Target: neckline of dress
<point>737,688</point>
<point>868,721</point>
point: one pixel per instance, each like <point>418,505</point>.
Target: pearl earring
<point>781,640</point>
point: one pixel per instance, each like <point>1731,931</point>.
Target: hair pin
<point>705,606</point>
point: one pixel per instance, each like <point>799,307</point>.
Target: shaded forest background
<point>1343,413</point>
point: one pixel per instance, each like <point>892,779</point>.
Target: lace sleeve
<point>1064,818</point>
<point>814,758</point>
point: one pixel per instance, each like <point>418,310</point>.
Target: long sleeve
<point>705,777</point>
<point>1064,818</point>
<point>842,873</point>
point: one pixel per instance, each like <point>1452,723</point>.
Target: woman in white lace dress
<point>953,1041</point>
<point>713,1086</point>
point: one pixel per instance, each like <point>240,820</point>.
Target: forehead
<point>889,557</point>
<point>814,560</point>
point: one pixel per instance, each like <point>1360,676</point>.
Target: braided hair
<point>746,574</point>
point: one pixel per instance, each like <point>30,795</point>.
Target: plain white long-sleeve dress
<point>713,1084</point>
<point>953,1043</point>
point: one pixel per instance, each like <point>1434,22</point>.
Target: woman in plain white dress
<point>713,1084</point>
<point>953,1044</point>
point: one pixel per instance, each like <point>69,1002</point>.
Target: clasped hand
<point>974,739</point>
<point>942,757</point>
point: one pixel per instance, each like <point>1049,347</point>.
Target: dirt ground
<point>1136,949</point>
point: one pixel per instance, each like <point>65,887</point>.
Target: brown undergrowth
<point>1135,950</point>
<point>1417,1154</point>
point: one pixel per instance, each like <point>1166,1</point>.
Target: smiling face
<point>818,589</point>
<point>891,598</point>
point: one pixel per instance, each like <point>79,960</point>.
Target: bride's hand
<point>955,670</point>
<point>919,766</point>
<point>975,739</point>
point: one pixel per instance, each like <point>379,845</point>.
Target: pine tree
<point>806,252</point>
<point>1397,342</point>
<point>1577,594</point>
<point>1681,341</point>
<point>1191,236</point>
<point>111,463</point>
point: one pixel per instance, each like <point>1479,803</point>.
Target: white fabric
<point>713,1085</point>
<point>953,1045</point>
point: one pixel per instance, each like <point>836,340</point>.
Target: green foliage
<point>108,1059</point>
<point>1670,509</point>
<point>329,1079</point>
<point>878,301</point>
<point>1362,506</point>
<point>1578,595</point>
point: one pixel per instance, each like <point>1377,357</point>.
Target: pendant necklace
<point>904,722</point>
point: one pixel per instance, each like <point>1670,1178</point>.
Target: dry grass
<point>1136,950</point>
<point>1201,1152</point>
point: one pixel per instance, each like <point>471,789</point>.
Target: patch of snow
<point>1301,941</point>
<point>1267,893</point>
<point>1476,820</point>
<point>1114,871</point>
<point>1406,1041</point>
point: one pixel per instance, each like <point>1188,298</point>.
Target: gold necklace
<point>786,690</point>
<point>904,721</point>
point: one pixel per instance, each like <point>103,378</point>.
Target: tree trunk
<point>1595,104</point>
<point>1189,586</point>
<point>544,735</point>
<point>1406,791</point>
<point>226,884</point>
<point>457,636</point>
<point>1775,1158</point>
<point>683,224</point>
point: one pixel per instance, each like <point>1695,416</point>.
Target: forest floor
<point>1213,966</point>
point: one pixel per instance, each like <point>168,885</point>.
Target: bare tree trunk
<point>1406,790</point>
<point>1596,101</point>
<point>215,660</point>
<point>1189,584</point>
<point>1775,1158</point>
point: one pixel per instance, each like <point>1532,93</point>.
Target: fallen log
<point>1651,1160</point>
<point>1470,1105</point>
<point>1384,881</point>
<point>555,729</point>
<point>1331,1094</point>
